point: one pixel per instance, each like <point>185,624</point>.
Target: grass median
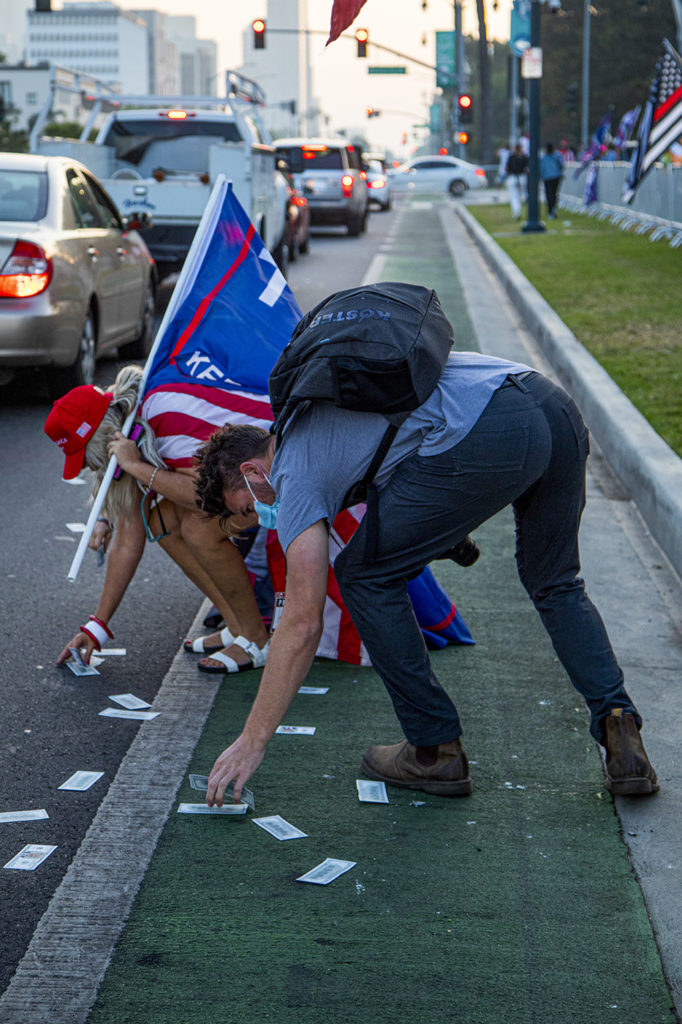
<point>620,295</point>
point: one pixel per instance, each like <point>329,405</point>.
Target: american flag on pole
<point>661,123</point>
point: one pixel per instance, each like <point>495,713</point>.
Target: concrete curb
<point>647,466</point>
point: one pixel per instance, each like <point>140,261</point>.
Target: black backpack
<point>378,348</point>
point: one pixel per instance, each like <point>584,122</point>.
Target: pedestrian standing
<point>551,173</point>
<point>517,170</point>
<point>503,154</point>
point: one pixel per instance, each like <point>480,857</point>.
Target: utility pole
<point>585,106</point>
<point>534,223</point>
<point>460,85</point>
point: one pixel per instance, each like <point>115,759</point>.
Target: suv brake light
<point>27,272</point>
<point>347,184</point>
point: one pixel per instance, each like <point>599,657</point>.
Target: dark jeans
<point>551,191</point>
<point>528,449</point>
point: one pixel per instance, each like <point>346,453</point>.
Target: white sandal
<point>257,655</point>
<point>198,646</point>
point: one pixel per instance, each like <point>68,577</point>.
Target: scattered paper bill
<point>78,666</point>
<point>200,783</point>
<point>327,871</point>
<point>371,792</point>
<point>279,828</point>
<point>205,809</point>
<point>75,527</point>
<point>30,857</point>
<point>297,730</point>
<point>130,701</point>
<point>76,481</point>
<point>313,689</point>
<point>80,781</point>
<point>139,716</point>
<point>112,652</point>
<point>37,815</point>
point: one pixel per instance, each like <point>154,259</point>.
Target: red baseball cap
<point>73,420</point>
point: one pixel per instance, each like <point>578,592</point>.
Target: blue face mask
<point>267,514</point>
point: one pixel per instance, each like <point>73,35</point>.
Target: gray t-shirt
<point>327,449</point>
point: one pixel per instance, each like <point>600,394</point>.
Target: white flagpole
<point>184,281</point>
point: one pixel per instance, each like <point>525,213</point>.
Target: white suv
<point>328,173</point>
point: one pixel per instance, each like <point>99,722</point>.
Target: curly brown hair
<point>218,461</point>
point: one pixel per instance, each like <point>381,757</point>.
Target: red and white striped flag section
<point>661,123</point>
<point>344,13</point>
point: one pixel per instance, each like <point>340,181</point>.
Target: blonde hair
<point>123,493</point>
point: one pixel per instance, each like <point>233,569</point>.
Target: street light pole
<point>534,223</point>
<point>585,107</point>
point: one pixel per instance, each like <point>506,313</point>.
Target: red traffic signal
<point>466,108</point>
<point>361,38</point>
<point>463,138</point>
<point>258,27</point>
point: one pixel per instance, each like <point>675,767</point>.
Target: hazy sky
<point>341,80</point>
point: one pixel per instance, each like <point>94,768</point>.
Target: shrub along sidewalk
<point>619,294</point>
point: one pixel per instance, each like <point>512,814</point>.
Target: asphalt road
<point>50,717</point>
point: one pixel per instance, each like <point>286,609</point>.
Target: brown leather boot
<point>397,765</point>
<point>628,769</point>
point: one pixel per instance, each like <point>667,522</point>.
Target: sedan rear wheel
<point>82,371</point>
<point>457,187</point>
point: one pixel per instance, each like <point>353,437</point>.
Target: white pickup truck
<point>161,155</point>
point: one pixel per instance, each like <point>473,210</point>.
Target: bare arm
<point>292,650</point>
<point>176,485</point>
<point>124,556</point>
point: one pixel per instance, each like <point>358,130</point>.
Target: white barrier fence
<point>657,206</point>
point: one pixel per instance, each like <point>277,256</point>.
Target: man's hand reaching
<point>236,764</point>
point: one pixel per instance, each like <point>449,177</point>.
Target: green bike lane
<point>515,904</point>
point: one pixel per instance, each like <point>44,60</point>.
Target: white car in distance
<point>437,174</point>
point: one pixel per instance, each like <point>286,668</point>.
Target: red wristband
<point>99,622</point>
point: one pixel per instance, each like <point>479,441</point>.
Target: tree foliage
<point>625,43</point>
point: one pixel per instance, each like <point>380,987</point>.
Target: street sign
<point>445,60</point>
<point>387,70</point>
<point>531,62</point>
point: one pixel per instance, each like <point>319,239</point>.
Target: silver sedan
<point>75,279</point>
<point>437,174</point>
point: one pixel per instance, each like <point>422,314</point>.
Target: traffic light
<point>361,38</point>
<point>371,112</point>
<point>258,27</point>
<point>466,108</point>
<point>572,98</point>
<point>463,138</point>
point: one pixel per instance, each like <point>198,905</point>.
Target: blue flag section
<point>439,620</point>
<point>236,314</point>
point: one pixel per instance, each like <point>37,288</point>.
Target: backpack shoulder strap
<point>358,491</point>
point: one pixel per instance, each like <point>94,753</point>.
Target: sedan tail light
<point>479,172</point>
<point>377,183</point>
<point>347,184</point>
<point>27,272</point>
